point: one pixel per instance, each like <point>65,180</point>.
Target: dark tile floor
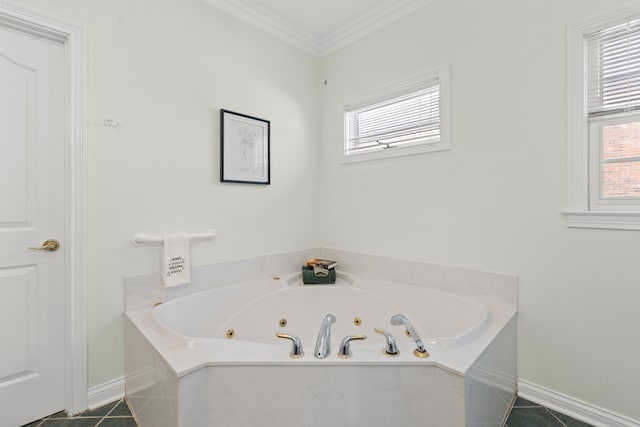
<point>528,414</point>
<point>116,414</point>
<point>523,414</point>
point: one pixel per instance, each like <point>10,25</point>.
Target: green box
<point>309,278</point>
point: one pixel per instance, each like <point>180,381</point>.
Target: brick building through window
<point>621,160</point>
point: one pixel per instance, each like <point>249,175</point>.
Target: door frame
<point>74,38</point>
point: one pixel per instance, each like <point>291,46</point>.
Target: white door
<point>32,210</point>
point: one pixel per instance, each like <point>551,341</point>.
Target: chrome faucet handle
<point>345,348</point>
<point>296,345</point>
<point>391,349</point>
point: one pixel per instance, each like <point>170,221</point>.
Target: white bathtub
<point>254,311</point>
<point>183,370</point>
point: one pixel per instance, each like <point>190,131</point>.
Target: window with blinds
<point>613,64</point>
<point>603,93</point>
<point>408,117</point>
<point>613,101</point>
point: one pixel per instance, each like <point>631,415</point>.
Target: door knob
<point>48,245</point>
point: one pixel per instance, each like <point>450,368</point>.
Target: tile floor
<point>529,414</point>
<point>117,414</point>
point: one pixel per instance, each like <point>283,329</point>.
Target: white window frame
<point>596,202</point>
<point>585,208</point>
<point>390,91</point>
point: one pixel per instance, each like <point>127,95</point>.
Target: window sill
<point>603,219</point>
<point>396,152</point>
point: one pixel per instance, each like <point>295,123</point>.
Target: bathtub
<point>212,358</point>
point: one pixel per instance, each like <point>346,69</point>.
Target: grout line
<point>91,417</point>
<point>513,401</point>
<point>112,409</point>
<point>79,417</point>
<point>126,401</point>
<point>554,416</point>
<point>530,405</point>
<point>135,418</point>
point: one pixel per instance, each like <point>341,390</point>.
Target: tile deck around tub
<point>117,414</point>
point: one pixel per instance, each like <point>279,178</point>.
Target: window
<point>404,118</point>
<point>604,133</point>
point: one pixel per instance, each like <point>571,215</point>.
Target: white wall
<point>494,201</point>
<point>164,69</point>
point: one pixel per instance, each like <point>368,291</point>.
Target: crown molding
<point>289,32</point>
<point>370,22</point>
<point>269,22</point>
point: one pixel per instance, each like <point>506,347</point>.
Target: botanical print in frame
<point>244,148</point>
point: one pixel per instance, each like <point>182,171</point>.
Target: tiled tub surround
<point>175,380</point>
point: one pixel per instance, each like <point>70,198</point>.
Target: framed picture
<point>244,148</point>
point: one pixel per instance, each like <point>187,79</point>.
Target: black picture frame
<point>245,154</point>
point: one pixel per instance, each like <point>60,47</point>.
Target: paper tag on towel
<point>175,260</point>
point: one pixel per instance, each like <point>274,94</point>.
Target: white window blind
<point>613,69</point>
<point>401,121</point>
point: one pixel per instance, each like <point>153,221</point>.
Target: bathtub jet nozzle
<point>398,320</point>
<point>323,343</point>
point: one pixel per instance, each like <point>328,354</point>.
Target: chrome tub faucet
<point>323,343</point>
<point>398,320</point>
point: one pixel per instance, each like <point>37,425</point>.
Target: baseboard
<point>572,407</point>
<point>106,392</point>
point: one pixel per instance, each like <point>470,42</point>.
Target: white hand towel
<point>175,260</point>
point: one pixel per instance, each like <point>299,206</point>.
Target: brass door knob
<point>48,245</point>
